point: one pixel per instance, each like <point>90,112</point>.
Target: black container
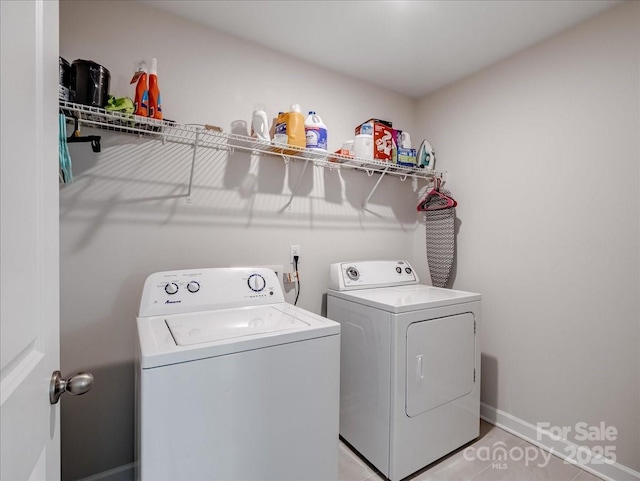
<point>89,83</point>
<point>64,79</point>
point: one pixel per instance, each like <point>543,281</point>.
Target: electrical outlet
<point>295,251</point>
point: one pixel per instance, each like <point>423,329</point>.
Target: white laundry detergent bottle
<point>260,125</point>
<point>315,132</point>
<point>363,143</point>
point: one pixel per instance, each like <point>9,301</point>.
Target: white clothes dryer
<point>232,382</point>
<point>410,365</point>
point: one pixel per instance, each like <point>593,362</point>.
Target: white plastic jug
<point>260,125</point>
<point>363,146</point>
<point>315,132</point>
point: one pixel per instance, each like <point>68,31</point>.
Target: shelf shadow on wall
<point>238,163</point>
<point>144,182</point>
<point>271,175</point>
<point>333,186</point>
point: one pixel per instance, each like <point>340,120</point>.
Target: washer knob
<point>171,288</point>
<point>193,286</point>
<point>256,282</point>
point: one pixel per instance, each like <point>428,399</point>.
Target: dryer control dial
<point>353,273</point>
<point>193,286</point>
<point>171,288</point>
<point>256,282</point>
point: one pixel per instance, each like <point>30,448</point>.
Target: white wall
<point>543,151</point>
<point>119,221</point>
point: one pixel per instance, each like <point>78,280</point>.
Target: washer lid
<point>180,338</point>
<point>197,328</point>
<point>406,298</point>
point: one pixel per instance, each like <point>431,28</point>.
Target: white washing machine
<point>410,365</point>
<point>232,382</point>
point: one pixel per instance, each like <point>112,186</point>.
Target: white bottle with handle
<point>260,125</point>
<point>315,132</point>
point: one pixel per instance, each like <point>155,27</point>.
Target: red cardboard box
<point>382,138</point>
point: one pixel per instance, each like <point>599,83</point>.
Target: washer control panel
<point>175,292</point>
<point>370,274</point>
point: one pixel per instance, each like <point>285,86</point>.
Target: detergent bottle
<point>363,142</point>
<point>274,123</point>
<point>315,132</point>
<point>155,101</point>
<point>280,129</point>
<point>141,102</point>
<point>260,124</point>
<point>290,129</point>
<point>295,127</point>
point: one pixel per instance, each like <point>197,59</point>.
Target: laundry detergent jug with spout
<point>290,129</point>
<point>315,132</point>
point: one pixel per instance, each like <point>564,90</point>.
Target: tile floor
<point>456,467</point>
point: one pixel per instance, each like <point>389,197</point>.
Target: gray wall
<point>119,221</point>
<point>543,151</point>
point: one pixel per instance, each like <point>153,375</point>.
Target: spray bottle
<point>141,102</point>
<point>155,101</point>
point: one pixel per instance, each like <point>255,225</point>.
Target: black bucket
<point>64,79</point>
<point>89,83</point>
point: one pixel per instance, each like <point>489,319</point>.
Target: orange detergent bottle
<point>290,130</point>
<point>141,101</point>
<point>155,101</point>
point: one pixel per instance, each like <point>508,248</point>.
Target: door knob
<point>79,383</point>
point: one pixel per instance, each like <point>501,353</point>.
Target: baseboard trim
<point>529,432</point>
<point>119,473</point>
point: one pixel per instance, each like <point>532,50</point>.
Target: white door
<point>440,361</point>
<point>29,286</point>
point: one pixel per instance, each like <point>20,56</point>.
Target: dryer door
<point>440,361</point>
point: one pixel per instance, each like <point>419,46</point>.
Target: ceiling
<point>410,47</point>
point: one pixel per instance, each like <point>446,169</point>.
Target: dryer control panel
<point>344,276</point>
<point>174,292</point>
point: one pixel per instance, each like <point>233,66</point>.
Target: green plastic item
<point>123,104</point>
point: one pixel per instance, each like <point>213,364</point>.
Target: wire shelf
<point>200,136</point>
